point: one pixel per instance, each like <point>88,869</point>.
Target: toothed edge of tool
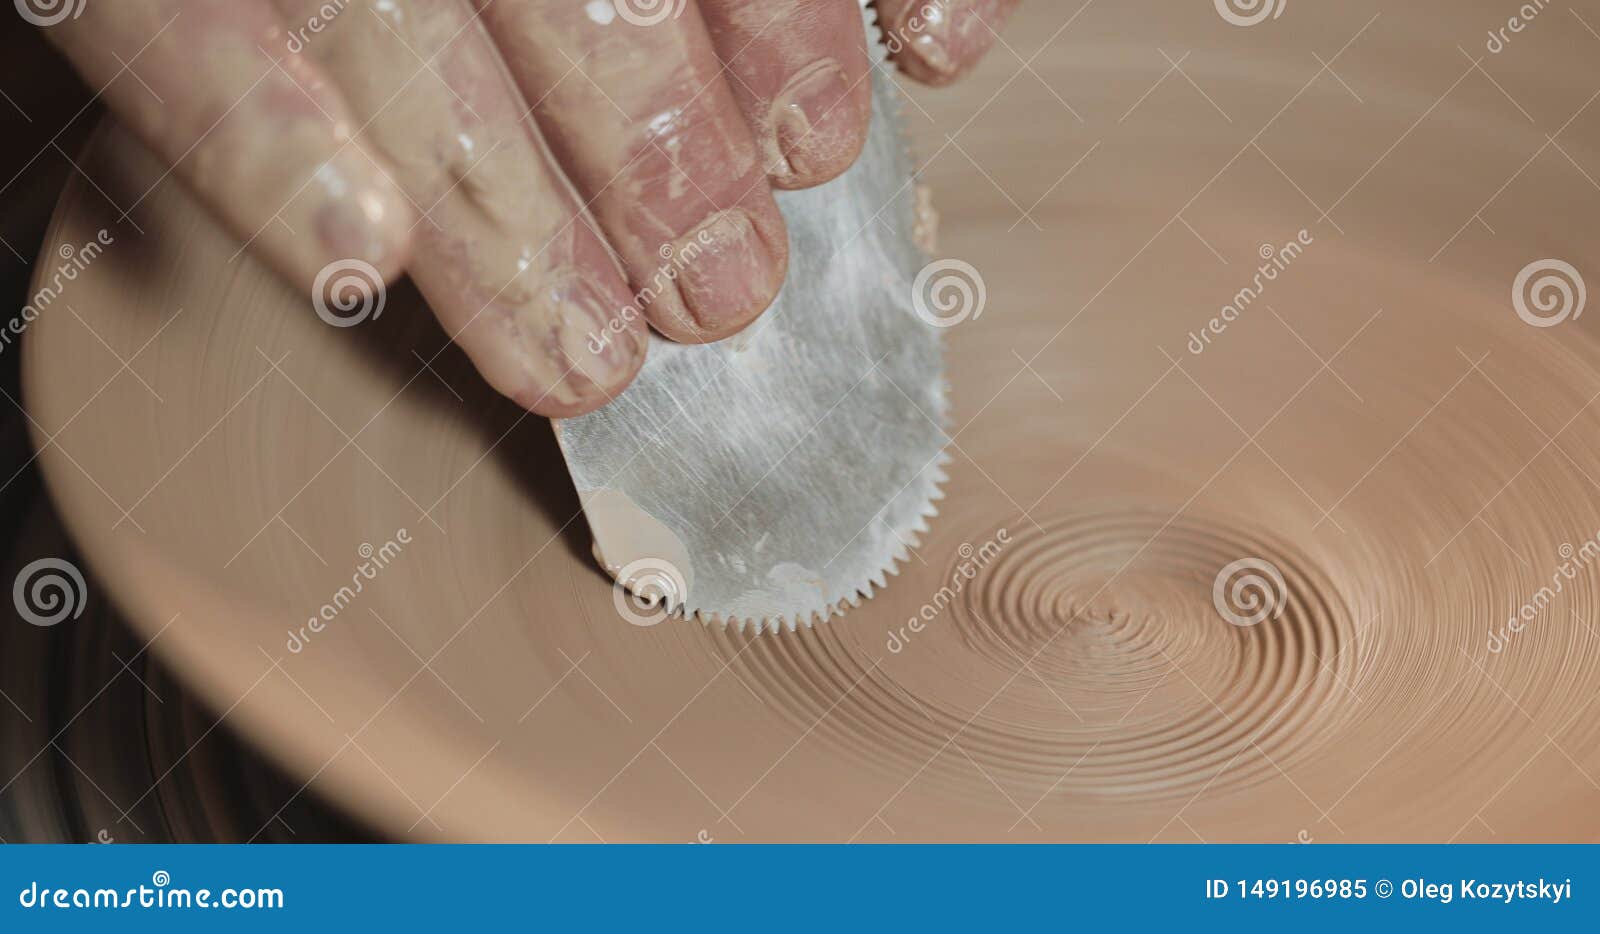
<point>933,478</point>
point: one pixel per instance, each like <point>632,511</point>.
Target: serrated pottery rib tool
<point>776,478</point>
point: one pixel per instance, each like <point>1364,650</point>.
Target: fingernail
<point>931,52</point>
<point>942,40</point>
<point>726,273</point>
<point>817,126</point>
<point>595,339</point>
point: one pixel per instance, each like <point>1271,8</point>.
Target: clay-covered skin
<point>553,175</point>
<point>938,41</point>
<point>802,83</point>
<point>657,148</point>
<point>263,136</point>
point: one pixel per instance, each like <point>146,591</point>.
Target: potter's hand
<point>552,173</point>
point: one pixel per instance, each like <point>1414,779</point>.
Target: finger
<point>799,72</point>
<point>254,129</point>
<point>644,124</point>
<point>505,255</point>
<point>937,41</point>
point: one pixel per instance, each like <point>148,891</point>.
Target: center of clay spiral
<point>1235,634</point>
